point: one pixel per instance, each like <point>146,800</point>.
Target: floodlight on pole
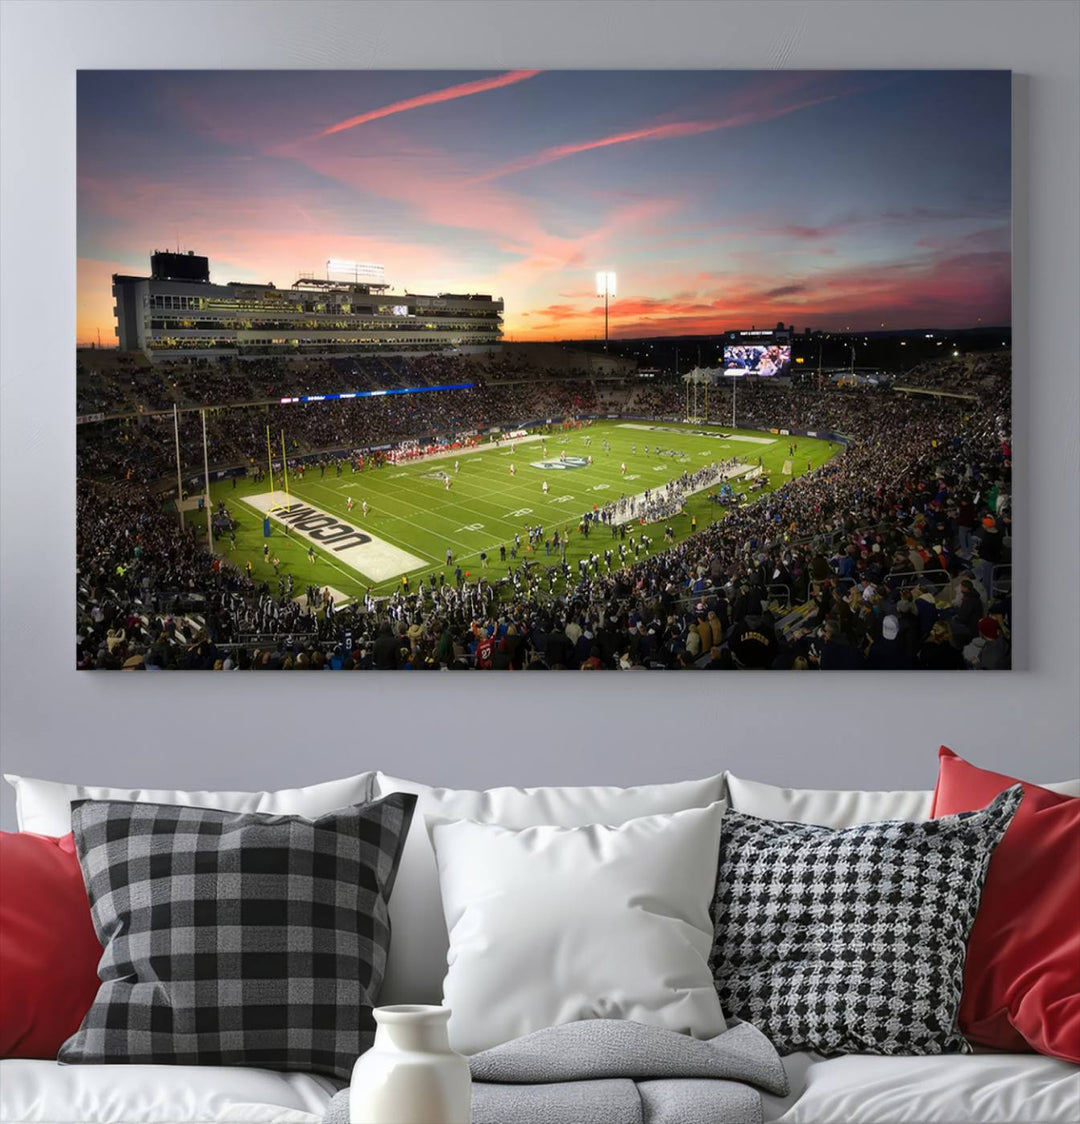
<point>605,287</point>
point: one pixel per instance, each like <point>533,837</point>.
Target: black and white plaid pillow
<point>851,941</point>
<point>237,938</point>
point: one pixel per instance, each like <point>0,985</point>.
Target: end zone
<point>360,550</point>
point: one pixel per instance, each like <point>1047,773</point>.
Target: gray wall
<point>861,731</point>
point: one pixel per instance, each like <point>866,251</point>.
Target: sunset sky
<point>721,199</point>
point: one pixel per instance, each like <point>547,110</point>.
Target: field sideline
<point>410,508</point>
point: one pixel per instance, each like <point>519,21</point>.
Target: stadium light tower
<point>360,270</point>
<point>605,287</point>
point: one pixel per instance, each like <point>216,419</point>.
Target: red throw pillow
<point>1022,975</point>
<point>48,950</point>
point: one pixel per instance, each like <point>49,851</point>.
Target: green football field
<point>414,519</point>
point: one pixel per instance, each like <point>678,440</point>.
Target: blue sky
<point>720,198</point>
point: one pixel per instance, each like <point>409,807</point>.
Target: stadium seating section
<point>894,554</point>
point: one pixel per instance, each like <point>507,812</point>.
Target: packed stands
<point>894,555</point>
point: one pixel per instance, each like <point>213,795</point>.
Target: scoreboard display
<point>763,358</point>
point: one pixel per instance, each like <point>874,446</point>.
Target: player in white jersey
<point>349,504</point>
<point>512,470</point>
<point>622,468</point>
<point>545,487</point>
<point>363,507</point>
<point>456,467</point>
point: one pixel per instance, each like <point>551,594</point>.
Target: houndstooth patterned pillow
<point>236,939</point>
<point>851,941</point>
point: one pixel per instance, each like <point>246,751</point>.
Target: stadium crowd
<point>111,384</point>
<point>885,557</point>
<point>142,448</point>
<point>980,374</point>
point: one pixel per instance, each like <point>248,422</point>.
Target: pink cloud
<point>650,133</point>
<point>449,93</point>
<point>435,187</point>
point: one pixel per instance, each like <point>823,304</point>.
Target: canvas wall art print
<point>531,370</point>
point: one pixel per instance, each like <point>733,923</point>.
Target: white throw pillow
<point>44,807</point>
<point>839,808</point>
<point>418,943</point>
<point>551,925</point>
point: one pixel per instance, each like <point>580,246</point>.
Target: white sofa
<point>980,1088</point>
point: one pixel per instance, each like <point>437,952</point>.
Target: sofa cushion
<point>44,807</point>
<point>236,939</point>
<point>1022,975</point>
<point>48,950</point>
<point>42,1092</point>
<point>839,807</point>
<point>417,964</point>
<point>950,1089</point>
<point>973,1089</point>
<point>851,941</point>
<point>551,925</point>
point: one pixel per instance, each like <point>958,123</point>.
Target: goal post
<point>285,470</point>
<point>276,508</point>
<point>269,458</point>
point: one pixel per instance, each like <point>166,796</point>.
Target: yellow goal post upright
<point>269,458</point>
<point>277,507</point>
<point>285,471</point>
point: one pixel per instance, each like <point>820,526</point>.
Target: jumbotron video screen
<point>766,360</point>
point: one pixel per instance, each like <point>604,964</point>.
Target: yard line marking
<point>484,493</point>
<point>462,491</point>
<point>435,533</point>
<point>402,519</point>
<point>432,532</point>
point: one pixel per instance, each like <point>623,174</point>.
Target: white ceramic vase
<point>410,1075</point>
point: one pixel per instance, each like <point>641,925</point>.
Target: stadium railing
<point>777,592</point>
<point>247,639</point>
<point>170,602</point>
<point>937,580</point>
<point>1001,578</point>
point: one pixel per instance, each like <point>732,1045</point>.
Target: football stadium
<point>535,370</point>
<point>343,498</point>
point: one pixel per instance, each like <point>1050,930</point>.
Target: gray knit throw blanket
<point>607,1071</point>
